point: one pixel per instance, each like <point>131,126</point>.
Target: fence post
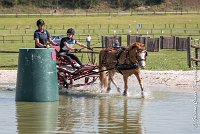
<point>189,52</point>
<point>22,39</point>
<point>63,26</point>
<point>175,42</point>
<point>3,39</point>
<point>196,56</point>
<point>161,42</point>
<point>122,30</point>
<point>108,28</point>
<point>79,37</point>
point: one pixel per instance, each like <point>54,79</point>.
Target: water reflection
<point>120,115</point>
<point>36,117</point>
<point>100,114</point>
<point>165,112</point>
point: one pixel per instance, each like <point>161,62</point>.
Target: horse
<point>126,61</point>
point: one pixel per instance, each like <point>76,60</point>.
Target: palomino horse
<point>126,61</point>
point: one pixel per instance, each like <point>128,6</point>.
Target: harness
<point>123,66</point>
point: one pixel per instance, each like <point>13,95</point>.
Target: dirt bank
<point>150,78</point>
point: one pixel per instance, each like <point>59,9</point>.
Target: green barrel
<point>37,75</point>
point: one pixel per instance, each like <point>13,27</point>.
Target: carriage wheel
<point>64,80</point>
<point>68,83</point>
<point>90,80</point>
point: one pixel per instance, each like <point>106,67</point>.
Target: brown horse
<point>126,61</point>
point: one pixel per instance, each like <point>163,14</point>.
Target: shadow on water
<point>36,117</point>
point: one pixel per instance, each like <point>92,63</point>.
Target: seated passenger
<point>66,46</point>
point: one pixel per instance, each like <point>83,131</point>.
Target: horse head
<point>138,52</point>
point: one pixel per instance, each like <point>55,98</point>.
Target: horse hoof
<point>119,90</point>
<point>108,90</point>
<point>125,93</point>
<point>142,94</point>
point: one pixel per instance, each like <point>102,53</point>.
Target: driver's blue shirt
<point>43,36</point>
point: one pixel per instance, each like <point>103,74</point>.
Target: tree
<point>8,3</point>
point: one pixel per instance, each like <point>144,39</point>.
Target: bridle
<point>141,51</point>
<point>137,59</point>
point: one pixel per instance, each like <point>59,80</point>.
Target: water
<point>163,111</point>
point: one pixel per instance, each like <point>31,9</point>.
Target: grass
<point>163,60</point>
<point>167,60</point>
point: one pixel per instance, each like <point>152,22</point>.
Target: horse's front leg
<point>125,84</point>
<point>141,83</point>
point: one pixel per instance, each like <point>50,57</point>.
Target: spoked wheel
<point>63,80</point>
<point>90,80</point>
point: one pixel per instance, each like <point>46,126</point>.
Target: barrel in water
<point>37,75</point>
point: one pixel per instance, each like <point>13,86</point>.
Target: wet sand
<point>150,78</point>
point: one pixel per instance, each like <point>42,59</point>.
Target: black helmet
<point>70,31</point>
<point>40,22</point>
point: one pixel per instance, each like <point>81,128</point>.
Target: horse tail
<point>103,76</point>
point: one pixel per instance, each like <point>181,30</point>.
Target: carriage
<point>72,77</point>
<point>124,61</point>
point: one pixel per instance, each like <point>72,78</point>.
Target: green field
<point>17,33</point>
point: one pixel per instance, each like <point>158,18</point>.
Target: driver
<point>42,36</point>
<point>66,46</point>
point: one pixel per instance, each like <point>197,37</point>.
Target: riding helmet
<point>70,31</point>
<point>40,22</point>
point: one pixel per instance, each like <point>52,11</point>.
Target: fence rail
<point>131,12</point>
<point>29,38</point>
<point>111,31</point>
<point>106,26</point>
